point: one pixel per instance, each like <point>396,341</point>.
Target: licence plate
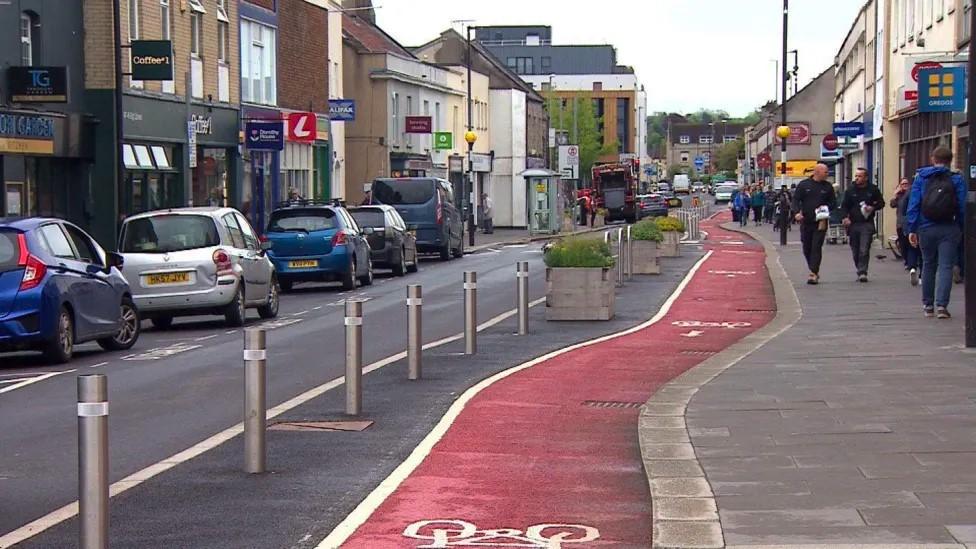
<point>303,264</point>
<point>167,278</point>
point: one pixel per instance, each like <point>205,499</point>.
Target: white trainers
<point>913,274</point>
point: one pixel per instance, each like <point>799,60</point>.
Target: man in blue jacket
<point>936,213</point>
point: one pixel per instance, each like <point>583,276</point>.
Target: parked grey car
<point>197,261</point>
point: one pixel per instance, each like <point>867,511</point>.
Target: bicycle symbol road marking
<point>701,324</point>
<point>458,533</point>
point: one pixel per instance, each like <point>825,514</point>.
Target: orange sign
<point>26,146</point>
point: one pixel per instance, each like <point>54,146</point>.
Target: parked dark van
<point>428,204</point>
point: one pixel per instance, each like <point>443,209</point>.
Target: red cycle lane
<point>548,456</point>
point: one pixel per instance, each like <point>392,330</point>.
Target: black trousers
<point>813,241</point>
<point>860,236</point>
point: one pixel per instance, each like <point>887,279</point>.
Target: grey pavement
<point>316,478</point>
<point>855,426</point>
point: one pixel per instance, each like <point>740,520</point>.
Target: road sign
<point>764,161</point>
<point>301,127</point>
<point>569,161</point>
<point>830,142</point>
<point>342,110</point>
<point>799,134</point>
<point>848,129</point>
<point>699,162</point>
<point>443,141</point>
<point>264,135</point>
<point>191,142</point>
<point>942,89</point>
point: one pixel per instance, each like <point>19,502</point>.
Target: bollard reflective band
<point>522,274</point>
<point>92,409</point>
<point>470,285</point>
<point>354,321</point>
<point>255,354</point>
<point>414,301</point>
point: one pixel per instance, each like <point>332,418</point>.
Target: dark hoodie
<point>810,195</point>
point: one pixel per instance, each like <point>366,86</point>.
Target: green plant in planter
<point>670,224</point>
<point>579,252</point>
<point>647,230</point>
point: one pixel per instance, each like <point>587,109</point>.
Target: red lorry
<point>615,187</point>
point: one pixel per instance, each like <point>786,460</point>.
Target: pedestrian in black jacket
<point>860,203</point>
<point>811,194</point>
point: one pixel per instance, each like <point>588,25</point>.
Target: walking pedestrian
<point>758,203</point>
<point>936,213</point>
<point>488,212</point>
<point>783,205</point>
<point>742,203</point>
<point>860,203</point>
<point>812,196</point>
<point>770,208</point>
<point>909,253</point>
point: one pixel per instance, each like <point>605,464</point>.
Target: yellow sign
<point>796,168</point>
<point>540,187</point>
<point>26,146</point>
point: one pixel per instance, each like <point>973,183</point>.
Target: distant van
<point>681,184</point>
<point>427,205</point>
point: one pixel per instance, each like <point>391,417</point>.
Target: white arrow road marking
<point>693,333</point>
<point>26,382</point>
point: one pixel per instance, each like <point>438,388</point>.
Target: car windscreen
<point>302,220</point>
<point>369,217</point>
<point>403,191</point>
<point>169,233</point>
<point>9,251</point>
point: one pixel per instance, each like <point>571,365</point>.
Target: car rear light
<point>339,239</point>
<point>263,238</point>
<point>34,268</point>
<point>439,215</point>
<point>222,260</point>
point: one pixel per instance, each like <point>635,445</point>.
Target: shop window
<point>143,158</point>
<point>129,157</point>
<point>159,155</point>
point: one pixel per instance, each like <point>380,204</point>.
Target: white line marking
<point>228,332</point>
<point>365,509</point>
<point>316,308</point>
<point>14,380</point>
<point>205,338</point>
<point>70,510</point>
<point>29,382</point>
<point>693,333</point>
<point>300,313</point>
<point>99,364</point>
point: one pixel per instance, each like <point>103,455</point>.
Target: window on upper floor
<point>258,63</point>
<point>521,65</point>
<point>196,34</point>
<point>728,138</point>
<point>684,139</point>
<point>546,63</point>
<point>706,139</point>
<point>685,156</point>
<point>165,20</point>
<point>966,26</point>
<point>134,19</point>
<point>29,23</point>
<point>223,32</point>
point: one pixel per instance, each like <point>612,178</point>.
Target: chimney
<point>364,14</point>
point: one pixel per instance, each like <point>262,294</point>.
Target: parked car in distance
<point>59,288</point>
<point>318,241</point>
<point>197,261</point>
<point>697,187</point>
<point>663,187</point>
<point>723,192</point>
<point>393,245</point>
<point>652,205</point>
<point>428,203</point>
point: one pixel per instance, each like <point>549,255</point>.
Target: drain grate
<point>328,426</point>
<point>768,311</point>
<point>611,404</point>
<point>698,353</point>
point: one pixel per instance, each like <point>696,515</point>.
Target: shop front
<point>45,165</point>
<point>921,133</point>
<point>261,175</point>
<point>154,146</point>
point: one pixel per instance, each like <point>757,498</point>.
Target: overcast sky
<point>689,54</point>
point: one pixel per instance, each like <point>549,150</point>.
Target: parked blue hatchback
<point>59,288</point>
<point>315,241</point>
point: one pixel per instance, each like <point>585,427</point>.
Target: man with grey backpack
<point>936,213</point>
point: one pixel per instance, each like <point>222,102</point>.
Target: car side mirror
<point>368,231</point>
<point>113,259</point>
<point>266,245</point>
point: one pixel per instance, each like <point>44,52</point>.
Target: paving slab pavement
<point>856,427</point>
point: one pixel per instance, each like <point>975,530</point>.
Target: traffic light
<point>752,163</point>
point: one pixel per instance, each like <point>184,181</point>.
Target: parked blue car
<point>59,288</point>
<point>314,241</point>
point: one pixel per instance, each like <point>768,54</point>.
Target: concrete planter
<point>579,293</point>
<point>645,257</point>
<point>670,246</point>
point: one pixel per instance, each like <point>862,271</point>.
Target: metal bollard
<point>470,312</point>
<point>630,254</point>
<point>93,461</point>
<point>415,346</point>
<point>620,256</point>
<point>255,400</point>
<point>354,357</point>
<point>522,292</point>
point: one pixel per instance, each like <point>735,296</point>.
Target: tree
<point>727,158</point>
<point>586,128</point>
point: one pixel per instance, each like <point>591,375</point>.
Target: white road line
<point>316,308</point>
<point>228,332</point>
<point>99,364</point>
<point>205,338</point>
<point>27,382</point>
<point>62,514</point>
<point>300,313</point>
<point>365,509</point>
<point>14,380</point>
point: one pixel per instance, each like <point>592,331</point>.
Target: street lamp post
<point>784,130</point>
<point>470,137</point>
<point>708,168</point>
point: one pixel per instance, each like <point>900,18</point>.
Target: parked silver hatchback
<point>197,261</point>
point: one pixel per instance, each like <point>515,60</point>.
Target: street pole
<point>969,248</point>
<point>470,192</point>
<point>786,9</point>
<point>119,116</point>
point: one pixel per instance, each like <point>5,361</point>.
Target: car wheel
<point>270,308</point>
<point>367,279</point>
<point>162,322</point>
<point>459,251</point>
<point>62,347</point>
<point>129,324</point>
<point>349,279</point>
<point>235,312</point>
<point>446,251</point>
<point>415,266</point>
<point>400,268</point>
<point>285,285</point>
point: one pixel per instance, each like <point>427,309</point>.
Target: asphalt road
<point>180,386</point>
